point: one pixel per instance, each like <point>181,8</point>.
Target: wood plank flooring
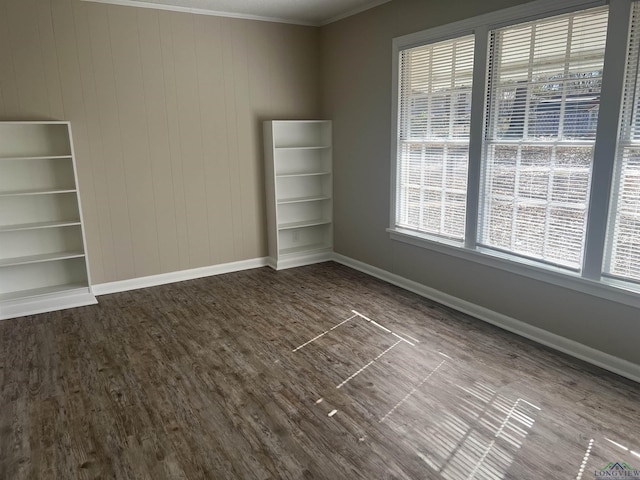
<point>315,372</point>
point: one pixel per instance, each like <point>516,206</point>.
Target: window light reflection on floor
<point>479,437</point>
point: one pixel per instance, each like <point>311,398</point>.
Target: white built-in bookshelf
<point>299,191</point>
<point>43,263</point>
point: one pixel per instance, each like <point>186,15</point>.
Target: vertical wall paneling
<point>279,71</point>
<point>158,138</point>
<point>233,136</point>
<point>138,175</point>
<point>166,110</point>
<point>25,44</point>
<point>246,167</point>
<point>50,60</point>
<point>190,132</point>
<point>94,194</point>
<point>214,133</point>
<point>177,178</point>
<point>9,100</point>
<point>114,174</point>
<point>260,63</point>
<point>65,35</point>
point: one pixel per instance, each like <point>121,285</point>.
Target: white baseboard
<point>46,303</point>
<point>570,347</point>
<point>182,275</point>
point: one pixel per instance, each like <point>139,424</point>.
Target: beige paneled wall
<point>166,112</point>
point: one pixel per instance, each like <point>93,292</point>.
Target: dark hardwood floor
<point>315,372</point>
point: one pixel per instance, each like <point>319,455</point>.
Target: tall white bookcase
<point>43,264</point>
<point>299,191</point>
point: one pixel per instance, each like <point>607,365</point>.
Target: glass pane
<point>623,246</point>
<point>545,79</point>
<point>435,93</point>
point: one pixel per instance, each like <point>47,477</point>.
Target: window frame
<point>590,279</point>
<point>628,125</point>
<point>528,142</point>
<point>402,142</point>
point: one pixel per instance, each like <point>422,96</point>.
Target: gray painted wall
<point>356,67</point>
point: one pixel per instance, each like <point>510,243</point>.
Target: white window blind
<point>544,95</point>
<point>433,137</point>
<point>623,249</point>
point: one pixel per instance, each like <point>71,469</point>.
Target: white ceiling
<point>305,12</point>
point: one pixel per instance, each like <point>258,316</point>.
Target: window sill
<point>615,291</point>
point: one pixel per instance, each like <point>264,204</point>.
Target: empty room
<point>319,239</point>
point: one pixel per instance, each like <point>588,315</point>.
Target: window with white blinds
<point>433,137</point>
<point>521,142</point>
<point>544,88</point>
<point>623,246</point>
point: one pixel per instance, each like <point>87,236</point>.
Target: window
<point>544,89</point>
<point>506,137</point>
<point>433,136</point>
<point>623,259</point>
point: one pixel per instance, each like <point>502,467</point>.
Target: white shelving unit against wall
<point>43,265</point>
<point>299,191</point>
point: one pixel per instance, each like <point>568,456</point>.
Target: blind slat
<point>544,90</point>
<point>433,133</point>
<point>623,246</point>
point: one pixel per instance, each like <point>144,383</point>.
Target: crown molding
<point>242,16</point>
<point>202,11</point>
